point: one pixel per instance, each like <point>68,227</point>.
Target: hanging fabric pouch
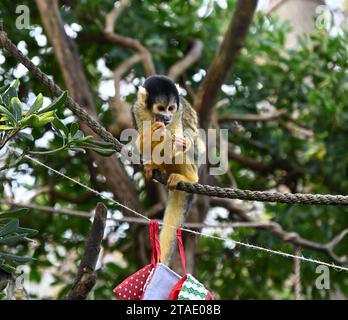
<point>132,288</point>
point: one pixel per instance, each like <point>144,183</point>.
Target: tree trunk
<point>66,53</point>
<point>299,13</point>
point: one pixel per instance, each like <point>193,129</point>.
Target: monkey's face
<point>161,97</point>
<point>164,109</point>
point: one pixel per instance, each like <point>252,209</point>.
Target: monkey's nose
<point>165,119</point>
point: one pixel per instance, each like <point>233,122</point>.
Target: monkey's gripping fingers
<point>173,181</point>
<point>157,126</point>
<point>175,178</point>
<point>180,144</point>
<point>148,168</point>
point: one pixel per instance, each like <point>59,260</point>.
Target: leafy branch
<point>11,234</point>
<point>14,118</point>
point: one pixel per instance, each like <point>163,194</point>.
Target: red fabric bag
<point>132,287</point>
<point>188,287</point>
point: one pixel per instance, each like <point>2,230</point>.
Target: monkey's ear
<point>142,95</point>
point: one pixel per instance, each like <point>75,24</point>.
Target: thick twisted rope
<point>264,196</point>
<point>212,191</point>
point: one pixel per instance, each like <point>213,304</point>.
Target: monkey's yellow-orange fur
<point>178,202</point>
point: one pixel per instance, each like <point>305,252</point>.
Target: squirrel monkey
<point>173,132</point>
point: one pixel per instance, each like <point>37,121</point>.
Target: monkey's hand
<point>158,126</point>
<point>148,168</point>
<point>180,144</point>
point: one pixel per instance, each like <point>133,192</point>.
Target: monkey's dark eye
<point>161,108</point>
<point>171,108</point>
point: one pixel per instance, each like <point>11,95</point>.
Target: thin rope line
<point>244,244</point>
<point>81,184</point>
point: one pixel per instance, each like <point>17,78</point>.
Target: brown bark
<point>86,277</point>
<point>224,60</point>
<point>205,99</point>
<point>188,60</point>
<point>254,117</point>
<point>127,42</point>
<point>66,53</point>
<point>300,14</point>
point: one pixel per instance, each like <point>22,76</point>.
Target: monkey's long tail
<point>178,205</point>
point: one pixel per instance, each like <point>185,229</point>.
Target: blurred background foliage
<point>306,147</point>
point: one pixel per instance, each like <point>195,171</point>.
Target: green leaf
<point>13,239</point>
<point>15,257</point>
<point>57,132</point>
<point>36,105</point>
<point>78,135</point>
<point>5,127</point>
<point>7,268</point>
<point>9,227</point>
<point>59,125</point>
<point>36,121</point>
<point>8,114</point>
<point>25,135</point>
<point>74,127</point>
<point>4,88</point>
<point>43,121</point>
<point>87,138</point>
<point>29,232</point>
<point>48,114</point>
<point>17,108</point>
<point>57,103</point>
<point>15,84</point>
<point>10,92</point>
<point>30,121</point>
<point>3,284</point>
<point>13,214</point>
<point>103,152</point>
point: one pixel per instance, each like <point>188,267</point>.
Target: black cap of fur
<point>160,86</point>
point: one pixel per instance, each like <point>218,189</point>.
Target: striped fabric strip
<point>192,289</point>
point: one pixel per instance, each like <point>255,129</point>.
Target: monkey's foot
<point>173,180</point>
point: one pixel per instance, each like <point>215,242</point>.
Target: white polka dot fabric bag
<point>132,288</point>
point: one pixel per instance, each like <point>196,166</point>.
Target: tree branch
<point>191,57</point>
<point>127,42</point>
<point>86,278</point>
<point>120,71</point>
<point>121,112</point>
<point>224,60</point>
<point>254,117</point>
<point>291,237</point>
<point>68,198</point>
<point>112,16</point>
